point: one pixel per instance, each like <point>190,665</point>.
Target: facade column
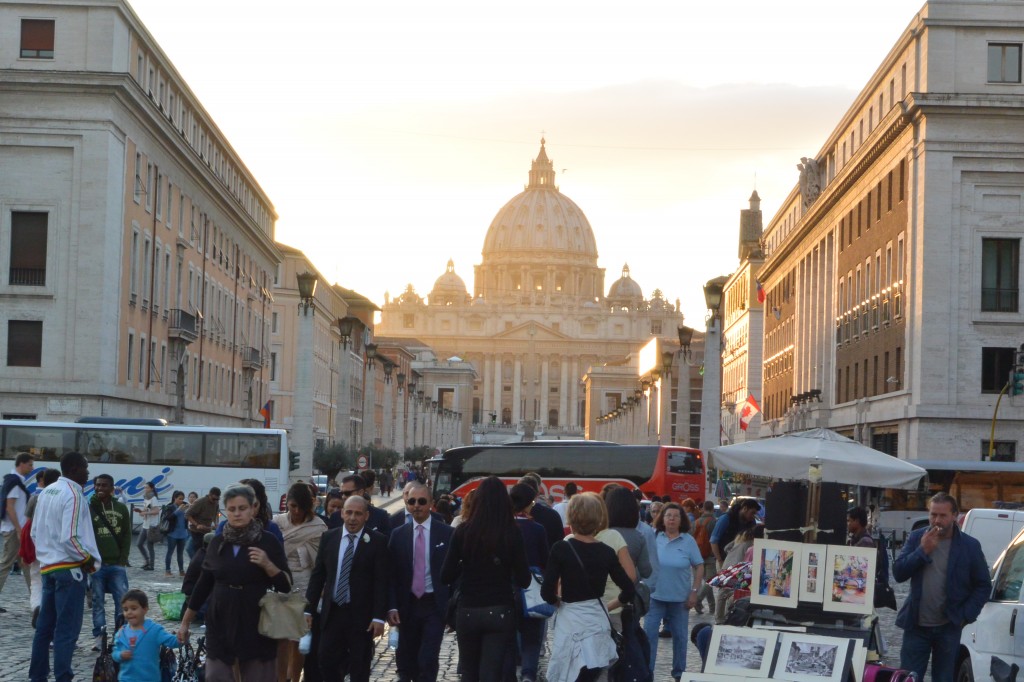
<point>369,405</point>
<point>400,421</point>
<point>499,381</point>
<point>517,391</point>
<point>574,393</point>
<point>545,391</point>
<point>388,436</point>
<point>711,392</point>
<point>563,393</point>
<point>488,392</point>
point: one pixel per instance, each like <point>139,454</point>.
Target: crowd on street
<point>617,573</point>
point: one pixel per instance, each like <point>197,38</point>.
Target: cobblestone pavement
<point>16,630</point>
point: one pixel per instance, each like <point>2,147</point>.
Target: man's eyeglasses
<point>422,501</point>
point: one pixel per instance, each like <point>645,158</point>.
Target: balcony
<point>250,358</point>
<point>28,277</point>
<point>182,325</point>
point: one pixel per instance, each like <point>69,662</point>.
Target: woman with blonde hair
<point>580,565</point>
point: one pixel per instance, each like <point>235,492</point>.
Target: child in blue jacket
<point>137,644</point>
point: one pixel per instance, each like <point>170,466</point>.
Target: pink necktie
<point>419,564</point>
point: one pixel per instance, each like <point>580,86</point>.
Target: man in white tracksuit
<point>66,550</point>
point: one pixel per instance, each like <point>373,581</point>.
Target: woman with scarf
<point>240,566</point>
<point>302,530</point>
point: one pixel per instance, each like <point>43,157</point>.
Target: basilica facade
<point>538,317</point>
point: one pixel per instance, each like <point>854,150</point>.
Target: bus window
<point>116,447</point>
<point>183,449</point>
<point>259,451</point>
<point>680,462</point>
<point>44,444</point>
<point>221,450</point>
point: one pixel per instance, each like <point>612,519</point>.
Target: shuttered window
<point>37,38</point>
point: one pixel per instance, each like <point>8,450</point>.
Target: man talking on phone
<point>949,583</point>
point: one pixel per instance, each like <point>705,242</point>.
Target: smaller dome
<point>409,296</point>
<point>449,287</point>
<point>625,289</point>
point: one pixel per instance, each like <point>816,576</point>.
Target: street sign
<point>363,463</point>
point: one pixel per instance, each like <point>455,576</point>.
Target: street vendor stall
<point>821,595</point>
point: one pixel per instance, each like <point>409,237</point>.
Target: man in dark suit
<point>350,582</point>
<point>418,597</point>
<point>405,515</point>
<point>355,484</point>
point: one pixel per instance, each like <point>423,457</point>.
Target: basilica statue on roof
<point>538,316</point>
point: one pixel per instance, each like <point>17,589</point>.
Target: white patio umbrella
<point>841,460</point>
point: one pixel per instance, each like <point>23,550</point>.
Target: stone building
<point>137,248</point>
<point>538,316</point>
<point>893,269</point>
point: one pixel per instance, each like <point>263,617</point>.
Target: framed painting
<point>811,658</point>
<point>850,579</point>
<point>774,573</point>
<point>812,563</point>
<point>741,652</point>
<point>859,659</point>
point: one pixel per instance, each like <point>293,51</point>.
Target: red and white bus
<point>655,469</point>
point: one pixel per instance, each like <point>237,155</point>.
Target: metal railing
<point>28,277</point>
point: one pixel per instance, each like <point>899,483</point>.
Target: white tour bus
<point>186,458</point>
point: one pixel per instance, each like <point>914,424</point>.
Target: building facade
<point>136,249</point>
<point>538,317</point>
<point>893,270</point>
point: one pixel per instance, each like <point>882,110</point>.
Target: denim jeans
<point>677,617</point>
<point>531,640</point>
<point>173,543</point>
<point>112,580</point>
<point>940,643</point>
<point>60,622</point>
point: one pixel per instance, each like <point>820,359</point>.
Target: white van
<point>990,643</point>
<point>994,529</point>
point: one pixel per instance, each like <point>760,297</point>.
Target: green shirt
<point>114,547</point>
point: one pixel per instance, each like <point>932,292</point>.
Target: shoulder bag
<point>282,616</point>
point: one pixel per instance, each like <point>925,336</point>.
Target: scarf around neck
<point>245,536</point>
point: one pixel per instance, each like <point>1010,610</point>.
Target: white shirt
<point>62,528</point>
<point>20,499</point>
<point>428,583</point>
<point>152,519</point>
<point>563,510</point>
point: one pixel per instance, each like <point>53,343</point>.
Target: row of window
<point>869,209</point>
<point>866,379</point>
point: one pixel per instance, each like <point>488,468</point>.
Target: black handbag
<point>104,670</point>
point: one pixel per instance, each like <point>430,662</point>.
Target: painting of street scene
<point>735,649</point>
<point>807,658</point>
<point>851,579</point>
<point>775,573</point>
<point>812,560</point>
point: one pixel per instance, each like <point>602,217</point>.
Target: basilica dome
<point>449,288</point>
<point>540,224</point>
<point>625,288</point>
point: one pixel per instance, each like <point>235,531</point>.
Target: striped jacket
<point>62,528</point>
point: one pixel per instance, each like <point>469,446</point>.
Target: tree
<point>380,458</point>
<point>420,453</point>
<point>331,460</point>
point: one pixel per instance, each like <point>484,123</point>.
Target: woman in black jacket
<point>488,555</point>
<point>240,566</point>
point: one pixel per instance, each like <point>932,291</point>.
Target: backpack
<point>10,482</point>
<point>702,535</point>
<point>168,521</point>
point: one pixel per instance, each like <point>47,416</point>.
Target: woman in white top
<point>302,530</point>
<point>150,513</point>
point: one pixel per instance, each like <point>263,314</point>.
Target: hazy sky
<point>389,133</point>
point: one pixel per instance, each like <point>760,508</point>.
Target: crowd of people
<point>605,562</point>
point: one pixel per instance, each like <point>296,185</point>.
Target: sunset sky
<point>389,133</point>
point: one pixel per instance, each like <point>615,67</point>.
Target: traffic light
<point>293,460</point>
<point>1017,385</point>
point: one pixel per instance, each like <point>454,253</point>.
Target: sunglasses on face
<point>422,501</point>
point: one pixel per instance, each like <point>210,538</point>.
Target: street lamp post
<point>711,392</point>
<point>302,403</point>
